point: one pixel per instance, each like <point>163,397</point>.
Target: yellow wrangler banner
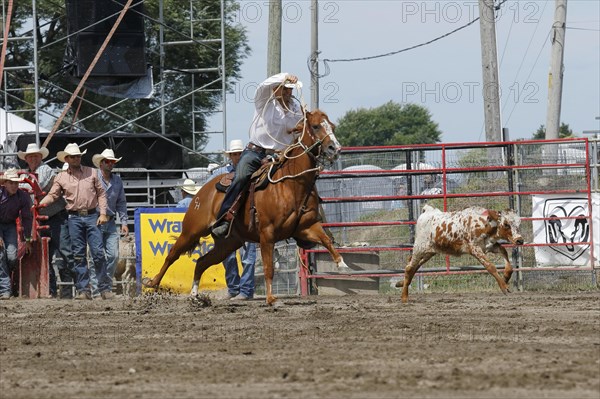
<point>156,230</point>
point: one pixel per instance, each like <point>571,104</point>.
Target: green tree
<point>389,124</point>
<point>563,132</point>
<point>56,84</point>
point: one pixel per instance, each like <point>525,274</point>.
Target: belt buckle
<point>83,212</point>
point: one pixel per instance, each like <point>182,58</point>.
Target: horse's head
<point>317,135</point>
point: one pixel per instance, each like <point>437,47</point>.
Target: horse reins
<point>306,150</point>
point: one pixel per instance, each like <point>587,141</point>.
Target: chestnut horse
<point>288,207</point>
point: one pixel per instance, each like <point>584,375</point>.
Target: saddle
<point>258,178</point>
<point>258,181</point>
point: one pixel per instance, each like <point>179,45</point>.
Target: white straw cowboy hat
<point>11,175</point>
<point>106,154</point>
<point>33,148</point>
<point>235,146</point>
<point>70,149</point>
<point>190,187</point>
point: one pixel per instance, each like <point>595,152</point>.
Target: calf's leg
<point>490,267</point>
<point>508,270</point>
<point>415,262</point>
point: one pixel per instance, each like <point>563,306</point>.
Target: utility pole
<point>555,76</point>
<point>314,59</point>
<point>274,46</point>
<point>489,64</point>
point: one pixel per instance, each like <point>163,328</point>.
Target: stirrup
<point>221,230</point>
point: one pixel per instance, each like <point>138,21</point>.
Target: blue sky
<point>444,76</point>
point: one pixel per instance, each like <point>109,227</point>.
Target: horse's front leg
<point>316,233</point>
<point>266,253</point>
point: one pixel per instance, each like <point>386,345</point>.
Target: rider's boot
<point>221,228</point>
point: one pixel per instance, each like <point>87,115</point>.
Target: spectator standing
<point>60,255</point>
<point>238,288</point>
<point>188,190</point>
<point>14,203</point>
<point>82,189</point>
<point>116,205</point>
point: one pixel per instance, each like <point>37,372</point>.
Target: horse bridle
<point>319,157</point>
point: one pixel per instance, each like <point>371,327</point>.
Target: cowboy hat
<point>235,146</point>
<point>70,149</point>
<point>106,154</point>
<point>33,148</point>
<point>11,175</point>
<point>190,187</point>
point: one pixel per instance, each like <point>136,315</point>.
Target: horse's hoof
<point>271,300</point>
<point>399,283</point>
<point>148,283</point>
<point>342,266</point>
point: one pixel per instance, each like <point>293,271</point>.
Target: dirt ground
<point>525,345</point>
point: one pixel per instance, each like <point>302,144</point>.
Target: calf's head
<point>509,227</point>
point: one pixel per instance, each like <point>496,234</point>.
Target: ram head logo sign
<point>574,229</point>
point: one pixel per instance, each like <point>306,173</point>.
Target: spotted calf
<point>474,231</point>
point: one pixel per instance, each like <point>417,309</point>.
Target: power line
<point>526,51</point>
<point>530,72</point>
<point>326,61</point>
<point>512,21</point>
<point>593,30</point>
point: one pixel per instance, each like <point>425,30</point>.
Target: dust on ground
<point>485,345</point>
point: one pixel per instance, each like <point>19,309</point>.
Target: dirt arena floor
<point>484,345</point>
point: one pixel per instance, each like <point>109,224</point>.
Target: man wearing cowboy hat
<point>59,247</point>
<point>87,208</point>
<point>276,114</point>
<point>14,203</point>
<point>116,205</point>
<point>188,190</point>
<point>238,288</point>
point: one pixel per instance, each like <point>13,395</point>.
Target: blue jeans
<point>250,162</point>
<point>84,232</point>
<point>110,244</point>
<point>60,253</point>
<point>243,285</point>
<point>8,255</point>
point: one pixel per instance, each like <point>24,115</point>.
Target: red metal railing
<point>445,170</point>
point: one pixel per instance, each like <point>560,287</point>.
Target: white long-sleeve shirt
<point>272,123</point>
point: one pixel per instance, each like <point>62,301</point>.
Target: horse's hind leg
<point>216,255</point>
<point>317,234</point>
<point>183,244</point>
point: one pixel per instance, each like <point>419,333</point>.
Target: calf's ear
<point>492,217</point>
